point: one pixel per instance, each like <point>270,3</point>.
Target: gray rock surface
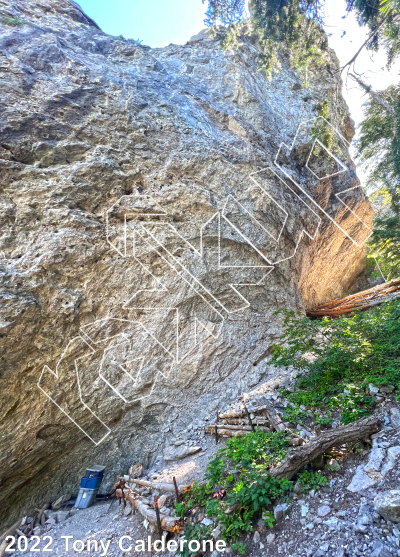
<point>177,453</point>
<point>116,161</point>
<point>387,504</point>
<point>373,466</point>
<point>395,417</point>
<point>379,550</point>
<point>323,510</point>
<point>392,457</point>
<point>280,511</point>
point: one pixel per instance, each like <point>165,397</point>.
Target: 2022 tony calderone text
<point>126,543</point>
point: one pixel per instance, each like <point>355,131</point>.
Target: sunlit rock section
<point>157,207</point>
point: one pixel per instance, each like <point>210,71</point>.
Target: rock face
<point>151,223</point>
<point>387,504</point>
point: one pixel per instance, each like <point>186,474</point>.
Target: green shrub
<point>340,357</point>
<point>239,487</point>
<point>311,480</point>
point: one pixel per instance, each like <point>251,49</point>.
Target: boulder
<point>256,537</point>
<point>323,510</point>
<point>387,504</point>
<point>177,453</point>
<point>360,480</point>
<point>135,471</point>
<point>373,466</point>
<point>386,389</point>
<point>280,511</point>
<point>390,460</point>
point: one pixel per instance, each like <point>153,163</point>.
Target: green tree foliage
<point>385,245</point>
<point>340,357</point>
<point>379,145</point>
<point>296,25</point>
<point>224,12</point>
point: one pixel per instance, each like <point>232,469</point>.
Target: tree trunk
<point>374,95</point>
<point>159,486</point>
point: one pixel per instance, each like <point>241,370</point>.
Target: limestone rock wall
<point>151,224</point>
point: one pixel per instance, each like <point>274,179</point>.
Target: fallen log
<point>168,523</point>
<point>159,486</point>
<point>245,428</point>
<point>232,433</point>
<point>241,421</point>
<point>241,413</point>
<point>299,457</point>
<point>362,300</point>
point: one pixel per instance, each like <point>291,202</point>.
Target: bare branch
<point>373,94</point>
<point>374,32</point>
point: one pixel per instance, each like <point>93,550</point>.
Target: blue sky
<point>155,22</point>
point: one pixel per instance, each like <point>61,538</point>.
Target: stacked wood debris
<point>362,300</point>
<point>237,422</point>
<point>137,492</point>
<point>303,452</point>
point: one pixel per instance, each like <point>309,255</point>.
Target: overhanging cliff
<point>157,206</point>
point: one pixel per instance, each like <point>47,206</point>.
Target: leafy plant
<point>311,480</point>
<point>180,509</point>
<point>295,26</point>
<point>197,532</point>
<point>322,130</point>
<point>293,414</point>
<point>239,547</point>
<point>239,487</point>
<point>324,420</point>
<point>340,357</point>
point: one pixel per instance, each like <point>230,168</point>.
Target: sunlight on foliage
<point>340,357</point>
<point>239,487</point>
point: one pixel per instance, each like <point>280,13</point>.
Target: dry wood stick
<point>160,531</point>
<point>247,428</point>
<point>232,433</point>
<point>178,498</point>
<point>9,532</point>
<point>216,428</point>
